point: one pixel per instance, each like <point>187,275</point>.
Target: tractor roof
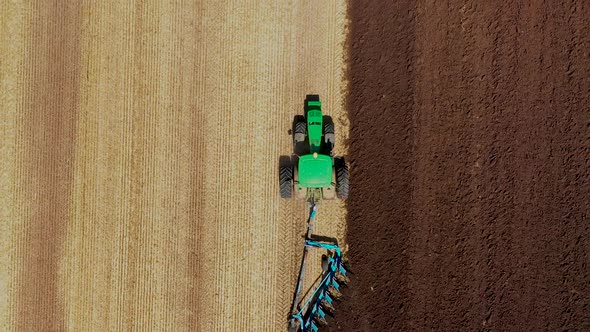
<point>315,171</point>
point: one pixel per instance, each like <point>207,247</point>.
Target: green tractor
<point>313,172</point>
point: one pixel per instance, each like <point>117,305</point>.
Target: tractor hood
<point>315,171</point>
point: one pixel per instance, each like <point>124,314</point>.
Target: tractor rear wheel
<point>342,184</point>
<point>286,181</point>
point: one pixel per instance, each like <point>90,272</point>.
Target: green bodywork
<point>315,171</point>
<point>314,125</point>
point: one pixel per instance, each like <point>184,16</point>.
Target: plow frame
<point>305,314</point>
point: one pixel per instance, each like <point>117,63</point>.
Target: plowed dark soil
<point>470,150</point>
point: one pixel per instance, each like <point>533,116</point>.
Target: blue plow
<point>309,313</point>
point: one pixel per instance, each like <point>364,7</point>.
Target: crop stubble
<point>140,152</point>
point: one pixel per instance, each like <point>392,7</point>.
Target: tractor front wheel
<point>286,181</point>
<point>300,147</point>
<point>299,129</point>
<point>329,136</point>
